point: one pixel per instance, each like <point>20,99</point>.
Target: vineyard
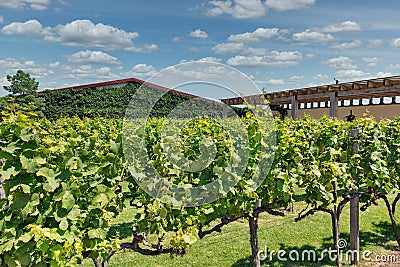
<point>66,179</point>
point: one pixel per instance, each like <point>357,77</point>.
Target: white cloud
<point>269,59</point>
<point>249,9</point>
<point>394,66</point>
<point>38,7</point>
<point>64,3</point>
<point>86,33</point>
<point>254,51</point>
<point>309,37</point>
<point>86,72</point>
<point>372,61</point>
<point>12,4</point>
<point>177,39</point>
<point>1,19</point>
<point>396,43</point>
<point>12,65</point>
<point>204,59</point>
<point>55,64</point>
<point>145,49</point>
<point>21,4</point>
<point>283,5</point>
<point>142,71</point>
<point>29,28</point>
<point>210,59</point>
<point>3,82</point>
<point>342,63</point>
<point>373,43</point>
<point>240,9</point>
<point>297,79</point>
<point>351,75</point>
<point>384,74</point>
<point>342,27</point>
<point>258,35</point>
<point>92,57</point>
<point>219,79</point>
<point>276,82</point>
<point>228,48</point>
<point>82,33</point>
<point>351,45</point>
<point>198,34</point>
<point>322,79</point>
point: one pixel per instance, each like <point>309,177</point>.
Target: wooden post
<point>295,106</point>
<point>333,108</point>
<point>2,192</point>
<point>225,111</point>
<point>355,212</point>
<point>253,225</point>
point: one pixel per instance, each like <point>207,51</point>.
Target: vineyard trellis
<point>66,179</point>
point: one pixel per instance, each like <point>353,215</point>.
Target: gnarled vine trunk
<point>253,225</point>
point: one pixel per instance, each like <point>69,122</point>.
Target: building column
<point>333,109</point>
<point>295,107</point>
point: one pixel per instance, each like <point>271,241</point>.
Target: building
<point>378,98</point>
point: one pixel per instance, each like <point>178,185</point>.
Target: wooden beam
<point>377,88</point>
<point>360,85</point>
<point>392,81</point>
<point>314,97</point>
<point>345,87</point>
<point>281,100</point>
<point>373,92</point>
<point>375,83</point>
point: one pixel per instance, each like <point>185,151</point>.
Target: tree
<point>21,84</point>
<point>23,90</point>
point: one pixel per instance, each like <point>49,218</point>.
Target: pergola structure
<point>359,93</point>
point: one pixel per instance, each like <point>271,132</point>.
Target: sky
<point>279,44</point>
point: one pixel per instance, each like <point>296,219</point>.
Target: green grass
<point>232,248</point>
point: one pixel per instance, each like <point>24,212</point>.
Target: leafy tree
<point>23,90</point>
<point>21,84</point>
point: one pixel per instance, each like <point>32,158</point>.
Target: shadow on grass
<point>294,256</point>
<point>124,229</point>
<point>381,237</point>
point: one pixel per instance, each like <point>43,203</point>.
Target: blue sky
<point>280,44</point>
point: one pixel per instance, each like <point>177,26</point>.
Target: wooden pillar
<point>355,211</point>
<point>225,111</point>
<point>295,107</point>
<point>333,109</point>
<point>2,192</point>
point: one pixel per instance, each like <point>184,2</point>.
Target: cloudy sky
<point>280,44</point>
